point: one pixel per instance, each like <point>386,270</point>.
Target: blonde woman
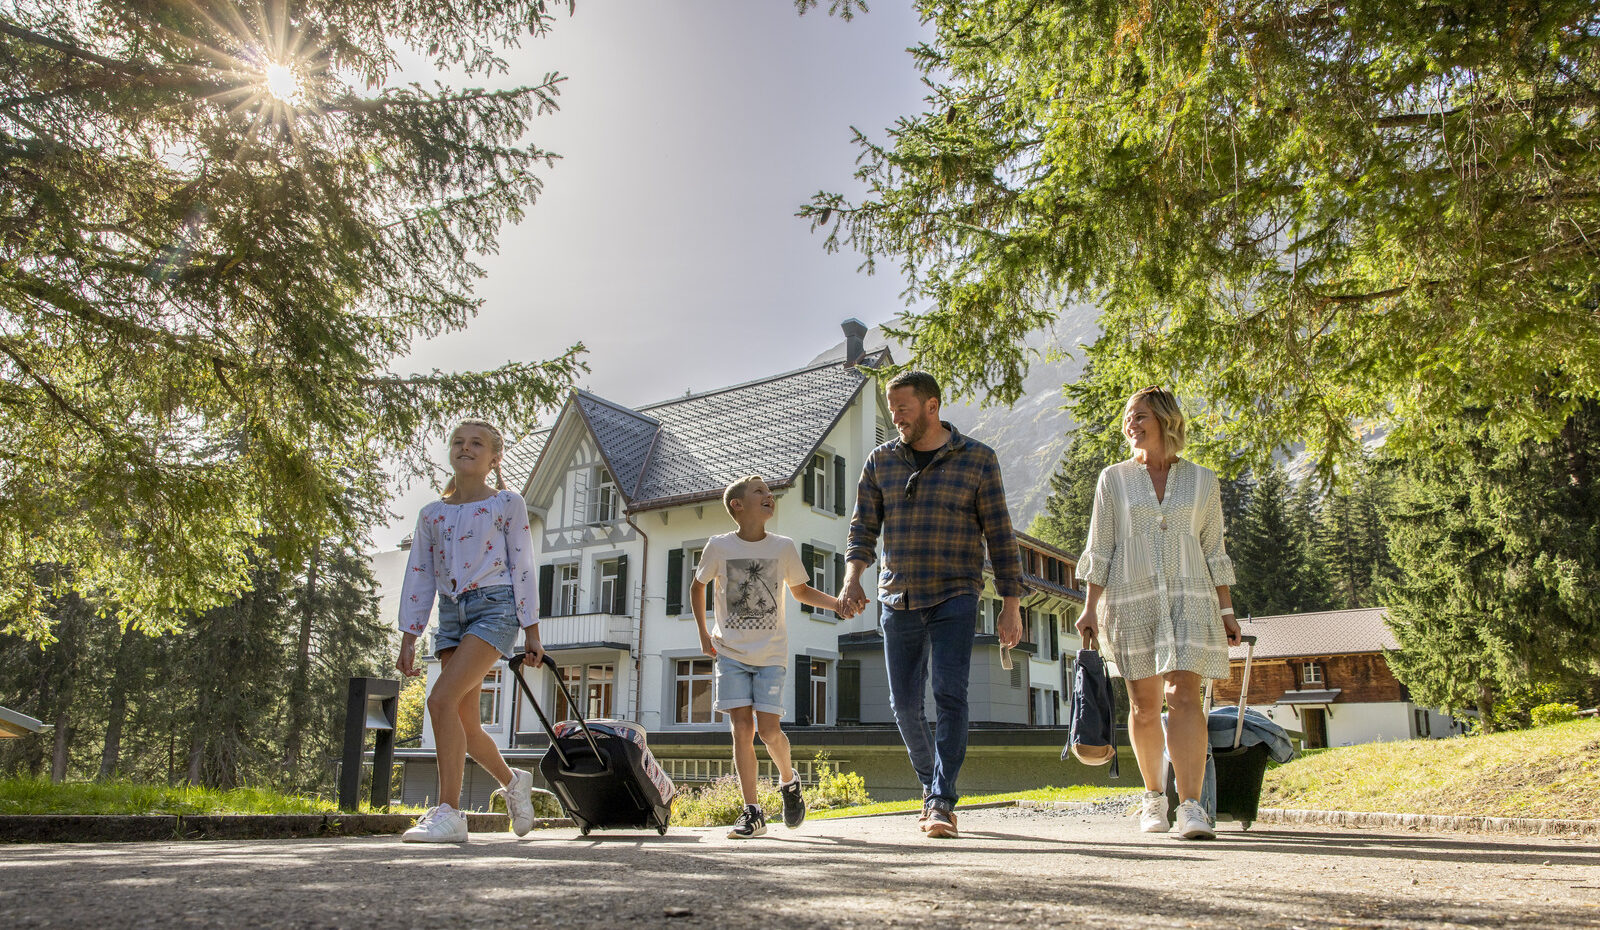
<point>1158,577</point>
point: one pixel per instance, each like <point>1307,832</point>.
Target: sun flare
<point>281,82</point>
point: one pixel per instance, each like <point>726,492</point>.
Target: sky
<point>665,238</point>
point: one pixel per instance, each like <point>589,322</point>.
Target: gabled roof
<point>1326,633</point>
<point>517,464</point>
<point>689,448</point>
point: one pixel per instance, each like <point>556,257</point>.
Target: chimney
<point>854,334</point>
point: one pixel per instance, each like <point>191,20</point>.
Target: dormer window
<point>1311,675</point>
<point>604,501</point>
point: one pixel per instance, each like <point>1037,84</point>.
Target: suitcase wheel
<point>661,830</point>
<point>584,830</point>
<point>1247,824</point>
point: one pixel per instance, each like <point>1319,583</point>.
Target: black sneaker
<point>751,823</point>
<point>794,804</point>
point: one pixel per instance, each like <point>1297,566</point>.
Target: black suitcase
<point>599,777</point>
<point>1238,770</point>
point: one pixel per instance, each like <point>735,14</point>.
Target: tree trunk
<point>63,742</point>
<point>299,683</point>
<point>1486,706</point>
<point>117,711</point>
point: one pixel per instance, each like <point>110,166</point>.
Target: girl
<point>1155,554</point>
<point>474,549</point>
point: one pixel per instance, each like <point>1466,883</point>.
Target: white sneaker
<point>1193,824</point>
<point>442,824</point>
<point>1153,813</point>
<point>519,801</point>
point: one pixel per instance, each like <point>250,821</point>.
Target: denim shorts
<point>488,613</point>
<point>741,685</point>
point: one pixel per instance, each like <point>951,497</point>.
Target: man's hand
<point>853,597</point>
<point>1009,626</point>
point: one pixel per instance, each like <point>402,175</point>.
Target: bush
<point>720,802</point>
<point>835,788</point>
<point>1546,714</point>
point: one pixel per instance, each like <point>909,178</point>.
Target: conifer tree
<point>1497,544</point>
<point>1277,573</point>
<point>224,223</point>
<point>1300,212</point>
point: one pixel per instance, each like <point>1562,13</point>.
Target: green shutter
<point>1055,636</point>
<point>838,572</point>
<point>711,597</point>
<point>619,600</point>
<point>808,558</point>
<point>808,491</point>
<point>547,583</point>
<point>802,691</point>
<point>838,485</point>
<point>674,582</point>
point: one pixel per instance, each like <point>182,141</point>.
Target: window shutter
<point>711,597</point>
<point>1055,636</point>
<point>802,691</point>
<point>674,582</point>
<point>808,558</point>
<point>808,490</point>
<point>838,485</point>
<point>838,570</point>
<point>849,691</point>
<point>547,583</point>
<point>619,597</point>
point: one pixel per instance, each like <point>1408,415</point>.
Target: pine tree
<point>1350,538</point>
<point>1301,212</point>
<point>217,241</point>
<point>1277,573</point>
<point>1497,544</point>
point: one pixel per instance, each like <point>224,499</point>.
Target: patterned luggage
<point>602,772</point>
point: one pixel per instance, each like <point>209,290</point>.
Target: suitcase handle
<point>516,663</point>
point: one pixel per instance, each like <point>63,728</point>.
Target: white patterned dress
<point>1161,563</point>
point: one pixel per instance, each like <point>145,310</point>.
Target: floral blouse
<point>459,547</point>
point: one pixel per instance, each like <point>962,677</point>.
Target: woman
<point>1156,562</point>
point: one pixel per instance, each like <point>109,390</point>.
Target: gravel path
<point>1012,868</point>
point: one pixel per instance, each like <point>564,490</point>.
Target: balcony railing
<point>555,632</point>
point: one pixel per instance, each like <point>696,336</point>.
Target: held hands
<point>852,600</point>
<point>406,664</point>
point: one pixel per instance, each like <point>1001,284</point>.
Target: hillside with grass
<point>1551,771</point>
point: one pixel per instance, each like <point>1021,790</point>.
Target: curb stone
<point>1438,823</point>
<point>112,828</point>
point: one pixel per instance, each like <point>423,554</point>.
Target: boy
<point>751,568</point>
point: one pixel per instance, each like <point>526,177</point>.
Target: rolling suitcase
<point>1236,771</point>
<point>601,771</point>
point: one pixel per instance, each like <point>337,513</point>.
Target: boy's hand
<point>843,608</point>
<point>706,646</point>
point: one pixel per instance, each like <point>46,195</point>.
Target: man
<point>936,497</point>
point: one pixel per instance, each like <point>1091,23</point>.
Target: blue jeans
<point>937,638</point>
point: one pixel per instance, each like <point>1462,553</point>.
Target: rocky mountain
<point>1029,436</point>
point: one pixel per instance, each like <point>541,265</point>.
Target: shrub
<point>835,788</point>
<point>1546,714</point>
<point>720,802</point>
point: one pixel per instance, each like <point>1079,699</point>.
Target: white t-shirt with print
<point>751,578</point>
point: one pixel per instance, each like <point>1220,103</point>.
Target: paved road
<point>1014,869</point>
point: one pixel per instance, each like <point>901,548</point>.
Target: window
<point>1420,717</point>
<point>1311,674</point>
<point>603,497</point>
<point>822,484</point>
<point>566,589</point>
<point>819,691</point>
<point>693,691</point>
<point>610,596</point>
<point>594,685</point>
<point>489,699</point>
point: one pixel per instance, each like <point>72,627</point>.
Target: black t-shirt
<point>923,458</point>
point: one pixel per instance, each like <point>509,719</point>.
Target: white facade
<point>1351,724</point>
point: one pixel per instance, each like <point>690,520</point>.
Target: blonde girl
<point>473,551</point>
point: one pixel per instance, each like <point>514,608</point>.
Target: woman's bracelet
<point>1227,611</point>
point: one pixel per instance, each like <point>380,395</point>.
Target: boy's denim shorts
<point>488,613</point>
<point>741,685</point>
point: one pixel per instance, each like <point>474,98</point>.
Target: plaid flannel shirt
<point>934,529</point>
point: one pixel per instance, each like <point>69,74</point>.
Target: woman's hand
<point>532,649</point>
<point>1231,627</point>
<point>406,664</point>
<point>1089,627</point>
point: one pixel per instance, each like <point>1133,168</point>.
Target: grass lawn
<point>1549,771</point>
<point>1076,793</point>
<point>39,796</point>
